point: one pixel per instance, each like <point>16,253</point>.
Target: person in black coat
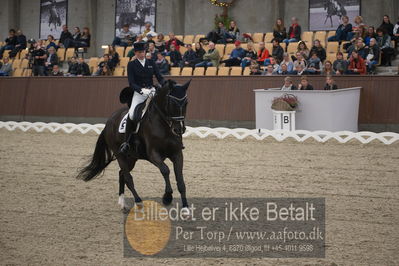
<point>65,37</point>
<point>175,56</point>
<point>305,85</point>
<point>140,73</point>
<point>330,84</point>
<point>278,51</point>
<point>82,68</point>
<point>11,41</point>
<point>189,57</point>
<point>387,25</point>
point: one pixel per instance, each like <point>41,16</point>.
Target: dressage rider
<point>140,74</point>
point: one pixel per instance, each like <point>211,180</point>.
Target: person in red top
<point>294,33</point>
<point>173,40</point>
<point>263,54</point>
<point>357,65</point>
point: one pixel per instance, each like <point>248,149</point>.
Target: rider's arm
<point>130,76</point>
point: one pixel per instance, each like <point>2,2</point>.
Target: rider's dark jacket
<point>142,77</point>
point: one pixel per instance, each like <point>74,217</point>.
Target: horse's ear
<point>171,84</point>
<point>186,85</point>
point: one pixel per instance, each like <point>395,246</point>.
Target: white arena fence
<point>221,133</point>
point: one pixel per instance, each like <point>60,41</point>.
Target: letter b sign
<point>286,119</point>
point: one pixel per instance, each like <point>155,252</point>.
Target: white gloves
<point>147,92</point>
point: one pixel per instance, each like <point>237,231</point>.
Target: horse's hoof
<point>185,213</point>
<point>167,199</point>
<point>125,210</point>
<point>139,205</point>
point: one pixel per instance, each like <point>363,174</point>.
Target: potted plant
<point>286,102</point>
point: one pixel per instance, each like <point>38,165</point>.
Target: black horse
<point>159,138</point>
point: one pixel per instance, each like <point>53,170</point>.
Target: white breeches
<point>137,99</point>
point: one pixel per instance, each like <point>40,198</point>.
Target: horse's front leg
<point>126,178</point>
<point>157,160</point>
<point>178,168</point>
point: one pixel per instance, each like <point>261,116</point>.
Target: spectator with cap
<point>236,55</point>
<point>189,57</point>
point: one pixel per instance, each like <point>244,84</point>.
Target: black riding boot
<point>129,137</point>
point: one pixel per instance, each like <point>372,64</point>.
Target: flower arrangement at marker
<point>287,102</point>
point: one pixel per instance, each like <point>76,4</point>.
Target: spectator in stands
<point>330,84</point>
<point>173,41</point>
<point>357,65</point>
<point>278,51</point>
<point>218,35</point>
<point>294,33</point>
<point>279,30</point>
<point>287,62</point>
<point>147,29</point>
<point>199,52</point>
<point>254,70</point>
<point>304,85</point>
<point>55,72</point>
<point>75,38</point>
<point>387,26</point>
<point>125,37</point>
<point>300,60</point>
<point>6,68</point>
<point>236,55</point>
<point>250,55</point>
<point>113,57</point>
<point>373,56</point>
<point>105,71</point>
<point>149,38</point>
<point>274,64</point>
<point>10,41</point>
<point>82,68</point>
<point>39,58</point>
<point>328,69</point>
<point>369,35</point>
<point>233,32</point>
<point>269,71</point>
<point>20,45</point>
<point>84,40</point>
<point>65,37</point>
<point>319,50</point>
<point>52,59</point>
<point>175,56</point>
<point>152,50</point>
<point>315,66</point>
<point>299,70</point>
<point>211,57</point>
<point>358,46</point>
<point>72,66</point>
<point>105,62</point>
<point>51,43</point>
<point>162,64</point>
<point>359,30</point>
<point>384,43</point>
<point>396,33</point>
<point>263,54</point>
<point>189,57</point>
<point>342,32</point>
<point>160,43</point>
<point>340,65</point>
<point>303,49</point>
<point>288,85</point>
<point>283,70</point>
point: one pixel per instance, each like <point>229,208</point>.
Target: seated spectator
<point>288,85</point>
<point>160,43</point>
<point>254,70</point>
<point>55,72</point>
<point>20,45</point>
<point>300,61</point>
<point>384,43</point>
<point>330,84</point>
<point>299,70</point>
<point>287,62</point>
<point>269,71</point>
<point>150,37</point>
<point>173,41</point>
<point>233,32</point>
<point>189,57</point>
<point>199,52</point>
<point>328,69</point>
<point>305,85</point>
<point>105,62</point>
<point>105,71</point>
<point>279,30</point>
<point>75,38</point>
<point>294,33</point>
<point>236,55</point>
<point>72,66</point>
<point>283,70</point>
<point>125,37</point>
<point>319,50</point>
<point>359,30</point>
<point>52,59</point>
<point>162,64</point>
<point>359,47</point>
<point>175,56</point>
<point>357,65</point>
<point>65,37</point>
<point>82,68</point>
<point>278,51</point>
<point>250,55</point>
<point>147,29</point>
<point>10,41</point>
<point>152,50</point>
<point>373,56</point>
<point>113,57</point>
<point>218,35</point>
<point>51,43</point>
<point>340,65</point>
<point>370,35</point>
<point>274,64</point>
<point>263,54</point>
<point>84,40</point>
<point>387,26</point>
<point>341,34</point>
<point>6,68</point>
<point>396,33</point>
<point>211,57</point>
<point>303,49</point>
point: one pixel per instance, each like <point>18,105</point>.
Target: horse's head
<point>174,104</point>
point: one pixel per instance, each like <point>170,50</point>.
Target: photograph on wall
<point>135,13</point>
<point>53,14</point>
<point>327,14</point>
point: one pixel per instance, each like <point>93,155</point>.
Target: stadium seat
<point>118,72</point>
<point>187,71</point>
<point>16,63</point>
<point>70,52</point>
<point>283,45</point>
<point>257,37</point>
<point>105,50</point>
<point>236,71</point>
<point>244,46</point>
<point>332,47</point>
<point>199,71</point>
<point>269,47</point>
<point>292,48</point>
<point>224,71</point>
<point>61,54</point>
<point>182,50</point>
<point>320,35</point>
<point>179,37</point>
<point>220,48</point>
<point>247,71</point>
<point>269,37</point>
<point>23,53</point>
<point>331,57</point>
<point>27,72</point>
<point>330,34</point>
<point>167,58</point>
<point>56,42</point>
<point>120,50</point>
<point>166,38</point>
<point>24,63</point>
<point>229,48</point>
<point>188,39</point>
<point>124,61</point>
<point>226,56</point>
<point>175,71</point>
<point>93,62</point>
<point>307,36</point>
<point>198,37</point>
<point>211,71</point>
<point>256,47</point>
<point>18,72</point>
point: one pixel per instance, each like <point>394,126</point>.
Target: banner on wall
<point>135,13</point>
<point>53,14</point>
<point>327,14</point>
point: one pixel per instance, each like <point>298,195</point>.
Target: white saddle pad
<point>122,125</point>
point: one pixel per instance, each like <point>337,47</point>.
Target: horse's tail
<point>101,158</point>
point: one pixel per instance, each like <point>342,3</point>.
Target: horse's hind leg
<point>164,169</point>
